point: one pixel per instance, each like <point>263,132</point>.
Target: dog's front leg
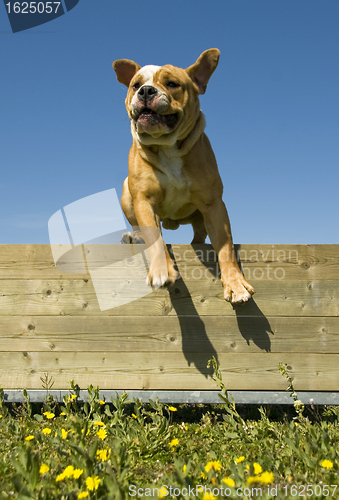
<point>161,265</point>
<point>236,288</point>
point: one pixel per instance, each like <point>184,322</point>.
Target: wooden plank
<point>242,334</point>
<point>293,262</point>
<point>203,298</point>
<point>140,370</point>
<point>51,321</point>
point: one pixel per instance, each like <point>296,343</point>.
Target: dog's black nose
<point>146,93</point>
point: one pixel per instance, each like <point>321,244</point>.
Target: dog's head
<point>162,101</point>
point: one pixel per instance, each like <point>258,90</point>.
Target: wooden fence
<point>51,323</point>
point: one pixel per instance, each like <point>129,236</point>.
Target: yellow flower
<point>99,423</point>
<point>43,469</point>
<point>101,402</point>
<point>83,494</point>
<point>103,455</point>
<point>29,438</point>
<point>228,481</point>
<point>239,460</point>
<point>63,414</point>
<point>203,475</point>
<point>68,472</point>
<point>46,430</point>
<point>48,414</point>
<point>92,483</point>
<point>209,496</point>
<point>253,479</point>
<point>77,473</point>
<point>327,464</point>
<point>64,434</point>
<point>71,398</point>
<point>256,467</point>
<point>266,477</point>
<point>213,465</point>
<point>171,408</point>
<point>184,467</point>
<point>83,430</point>
<point>60,477</point>
<point>102,433</point>
<point>163,492</point>
<point>134,416</point>
<point>0,416</point>
<point>174,442</point>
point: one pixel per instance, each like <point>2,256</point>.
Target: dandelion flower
<point>174,442</point>
<point>184,467</point>
<point>44,469</point>
<point>63,414</point>
<point>239,460</point>
<point>256,467</point>
<point>0,416</point>
<point>101,402</point>
<point>73,397</point>
<point>163,492</point>
<point>327,464</point>
<point>134,416</point>
<point>64,434</point>
<point>46,430</point>
<point>253,479</point>
<point>213,465</point>
<point>92,483</point>
<point>228,481</point>
<point>60,477</point>
<point>171,408</point>
<point>77,473</point>
<point>203,475</point>
<point>266,477</point>
<point>29,438</point>
<point>103,455</point>
<point>209,496</point>
<point>102,433</point>
<point>49,414</point>
<point>99,423</point>
<point>83,494</point>
<point>68,472</point>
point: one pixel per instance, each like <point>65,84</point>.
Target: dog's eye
<point>172,85</point>
<point>136,86</point>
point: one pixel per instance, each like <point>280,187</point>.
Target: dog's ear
<point>125,70</point>
<point>201,71</point>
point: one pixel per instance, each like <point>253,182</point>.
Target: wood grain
<point>51,322</point>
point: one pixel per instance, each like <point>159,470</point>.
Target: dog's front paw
<point>236,289</point>
<point>160,275</point>
<point>129,238</point>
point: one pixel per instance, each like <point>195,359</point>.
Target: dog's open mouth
<point>150,117</point>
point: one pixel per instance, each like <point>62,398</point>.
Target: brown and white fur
<point>173,176</point>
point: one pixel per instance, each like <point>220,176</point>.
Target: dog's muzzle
<point>146,94</point>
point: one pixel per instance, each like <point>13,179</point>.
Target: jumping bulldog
<point>173,176</point>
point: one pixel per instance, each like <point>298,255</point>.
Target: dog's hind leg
<point>199,228</point>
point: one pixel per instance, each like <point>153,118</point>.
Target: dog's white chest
<point>174,183</point>
<point>172,166</point>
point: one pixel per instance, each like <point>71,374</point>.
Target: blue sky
<point>272,110</point>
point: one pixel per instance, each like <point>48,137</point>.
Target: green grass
<point>126,449</point>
